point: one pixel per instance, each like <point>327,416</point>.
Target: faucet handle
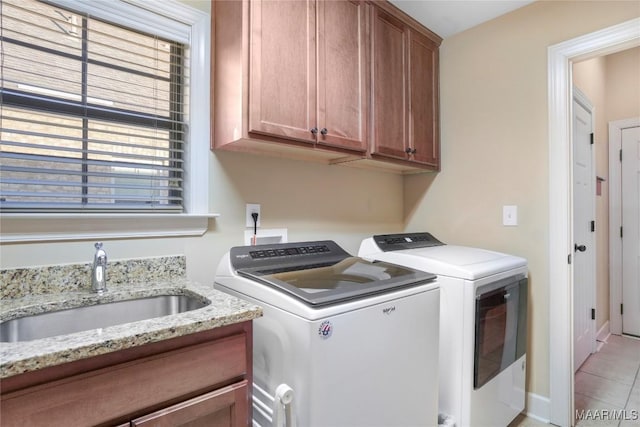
<point>98,245</point>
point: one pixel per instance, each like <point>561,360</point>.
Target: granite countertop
<point>26,356</point>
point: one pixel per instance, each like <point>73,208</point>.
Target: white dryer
<point>483,324</point>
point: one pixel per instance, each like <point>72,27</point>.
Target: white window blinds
<point>93,116</point>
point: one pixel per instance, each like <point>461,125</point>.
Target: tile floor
<point>609,380</point>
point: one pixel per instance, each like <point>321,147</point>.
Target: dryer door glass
<point>496,336</point>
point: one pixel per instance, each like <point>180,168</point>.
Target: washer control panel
<point>293,254</point>
<point>397,242</point>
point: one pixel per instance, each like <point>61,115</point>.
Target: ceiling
<point>448,17</point>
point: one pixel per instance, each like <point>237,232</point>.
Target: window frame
<point>180,22</point>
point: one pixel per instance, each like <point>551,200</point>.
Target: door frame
<point>560,58</point>
<point>615,221</point>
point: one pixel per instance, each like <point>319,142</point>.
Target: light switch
<point>510,215</point>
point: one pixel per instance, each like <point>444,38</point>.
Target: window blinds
<point>93,116</point>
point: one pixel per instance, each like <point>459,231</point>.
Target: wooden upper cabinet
<point>389,103</point>
<point>405,91</point>
<point>339,81</point>
<point>342,74</point>
<point>282,72</point>
<point>290,72</point>
<point>424,136</point>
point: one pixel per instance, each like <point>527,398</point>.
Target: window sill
<point>28,228</point>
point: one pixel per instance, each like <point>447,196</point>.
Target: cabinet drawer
<point>112,393</point>
<point>219,408</point>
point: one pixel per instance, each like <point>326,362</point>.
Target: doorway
<point>624,152</point>
<point>561,238</point>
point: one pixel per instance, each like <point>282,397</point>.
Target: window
<point>94,115</point>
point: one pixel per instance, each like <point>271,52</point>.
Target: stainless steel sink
<point>85,318</point>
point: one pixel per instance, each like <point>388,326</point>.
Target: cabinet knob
<point>314,131</point>
<point>407,150</point>
<point>580,248</point>
<point>324,131</point>
<point>414,151</point>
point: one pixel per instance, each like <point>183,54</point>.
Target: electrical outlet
<point>510,215</point>
<point>251,208</point>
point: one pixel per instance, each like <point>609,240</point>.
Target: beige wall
<point>313,201</point>
<point>612,83</point>
<point>494,121</point>
<point>623,85</point>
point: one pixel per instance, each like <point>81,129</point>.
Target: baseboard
<point>538,407</point>
<point>603,335</point>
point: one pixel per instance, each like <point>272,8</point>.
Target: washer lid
<point>459,261</point>
<point>326,275</point>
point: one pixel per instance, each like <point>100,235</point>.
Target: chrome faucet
<point>99,271</point>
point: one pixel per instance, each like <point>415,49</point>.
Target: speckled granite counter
<point>20,357</point>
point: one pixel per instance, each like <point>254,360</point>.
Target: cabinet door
<point>226,407</point>
<point>423,100</point>
<point>342,74</point>
<point>388,51</point>
<point>389,103</point>
<point>282,86</point>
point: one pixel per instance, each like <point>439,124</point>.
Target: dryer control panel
<point>397,242</point>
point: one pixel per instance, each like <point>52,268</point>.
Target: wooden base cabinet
<point>202,379</point>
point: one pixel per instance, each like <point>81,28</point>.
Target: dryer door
<point>500,336</point>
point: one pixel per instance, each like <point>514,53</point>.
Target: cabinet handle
<point>324,131</point>
<point>314,131</point>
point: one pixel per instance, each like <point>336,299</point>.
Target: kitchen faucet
<point>99,271</point>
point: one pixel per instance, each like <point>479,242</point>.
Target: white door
<point>631,231</point>
<point>584,248</point>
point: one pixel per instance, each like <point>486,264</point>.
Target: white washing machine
<point>351,342</point>
<point>483,324</point>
